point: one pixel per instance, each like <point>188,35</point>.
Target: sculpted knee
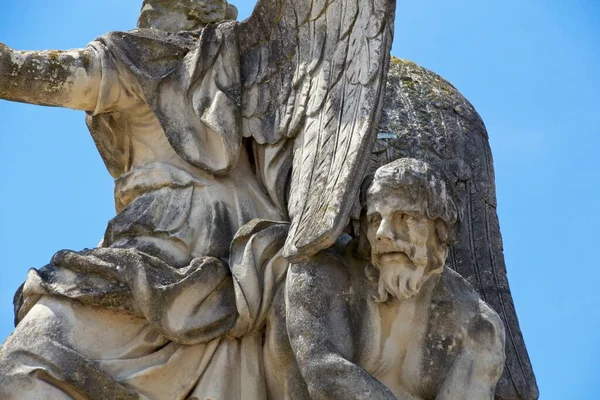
<point>25,357</point>
<point>19,372</point>
<point>8,368</point>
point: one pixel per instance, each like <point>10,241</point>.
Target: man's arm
<point>53,78</point>
<point>320,332</point>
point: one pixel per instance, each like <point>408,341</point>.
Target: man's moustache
<point>398,246</point>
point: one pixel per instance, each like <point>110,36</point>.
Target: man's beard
<point>403,268</point>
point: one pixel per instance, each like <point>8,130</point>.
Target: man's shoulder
<point>455,295</point>
<point>469,309</point>
<point>453,285</point>
<point>145,54</point>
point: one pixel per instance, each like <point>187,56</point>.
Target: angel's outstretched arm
<point>53,78</point>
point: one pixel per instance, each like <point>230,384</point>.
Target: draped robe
<point>167,125</point>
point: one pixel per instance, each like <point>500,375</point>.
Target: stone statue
<point>205,126</point>
<point>175,104</point>
<point>238,151</point>
<point>416,328</point>
<point>427,118</point>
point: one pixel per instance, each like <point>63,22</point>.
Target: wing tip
<point>295,253</point>
<point>508,389</point>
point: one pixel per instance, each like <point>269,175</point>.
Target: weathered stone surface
<point>424,334</point>
<point>200,124</point>
<point>238,151</point>
<point>427,118</point>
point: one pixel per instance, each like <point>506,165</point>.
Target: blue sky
<point>529,67</point>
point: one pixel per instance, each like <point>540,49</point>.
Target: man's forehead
<point>385,200</point>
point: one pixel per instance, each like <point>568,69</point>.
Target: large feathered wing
<point>427,118</point>
<point>314,71</point>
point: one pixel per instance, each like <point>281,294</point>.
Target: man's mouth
<point>394,257</point>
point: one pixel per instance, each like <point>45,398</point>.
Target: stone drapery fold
<point>210,316</point>
<point>192,83</point>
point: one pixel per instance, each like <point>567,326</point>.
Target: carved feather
<point>314,71</point>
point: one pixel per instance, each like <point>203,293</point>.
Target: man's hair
<point>419,182</point>
<point>204,11</point>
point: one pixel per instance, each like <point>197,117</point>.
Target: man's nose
<point>385,230</point>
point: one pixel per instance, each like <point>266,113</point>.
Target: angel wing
<point>427,118</point>
<point>314,71</point>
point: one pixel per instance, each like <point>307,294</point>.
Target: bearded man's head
<point>184,15</point>
<point>408,221</point>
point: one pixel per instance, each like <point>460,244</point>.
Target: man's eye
<point>408,218</point>
<point>376,219</point>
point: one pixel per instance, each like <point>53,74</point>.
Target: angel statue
<point>206,124</point>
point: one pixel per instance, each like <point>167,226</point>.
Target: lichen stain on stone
<point>86,58</point>
<point>53,55</point>
<point>17,59</point>
<point>408,82</point>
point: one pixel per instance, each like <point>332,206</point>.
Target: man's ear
<point>444,234</point>
<point>438,244</point>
